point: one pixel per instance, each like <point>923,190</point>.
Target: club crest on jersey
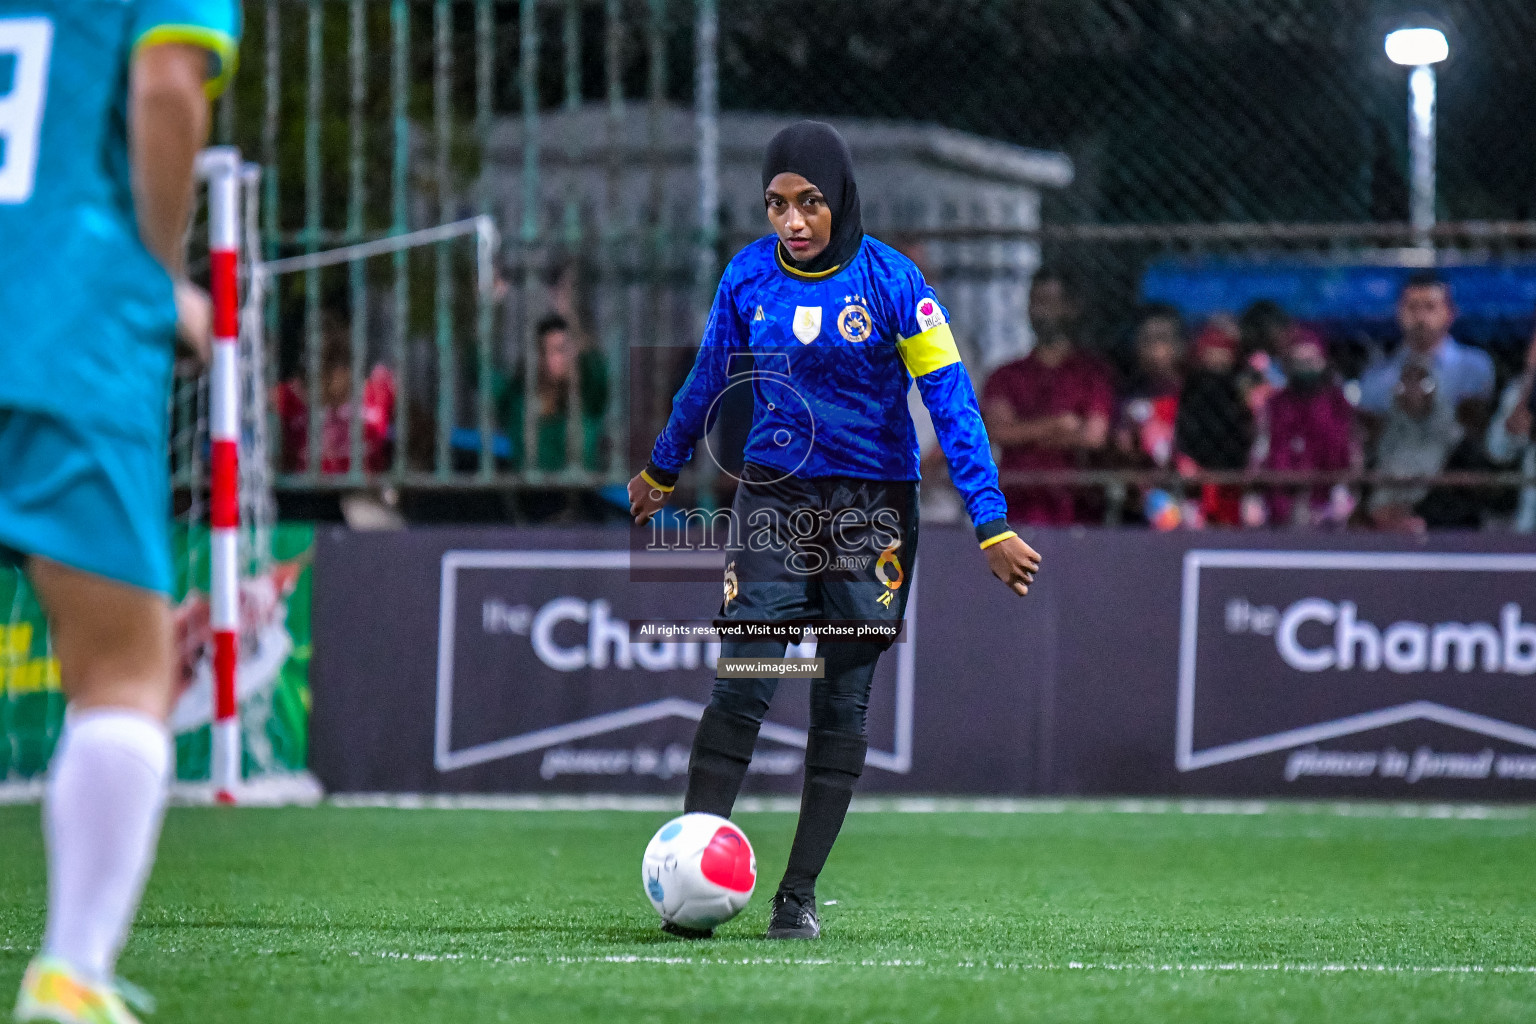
<point>807,323</point>
<point>730,583</point>
<point>759,314</point>
<point>853,323</point>
<point>929,315</point>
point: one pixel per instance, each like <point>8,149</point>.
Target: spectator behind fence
<point>1419,434</point>
<point>1265,331</point>
<point>1144,430</point>
<point>562,363</point>
<point>1158,350</point>
<point>291,403</point>
<point>1050,409</point>
<point>1311,429</point>
<point>1214,429</point>
<point>1510,440</point>
<point>1464,375</point>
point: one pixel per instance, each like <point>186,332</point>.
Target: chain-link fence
<point>1173,111</point>
<point>1209,154</point>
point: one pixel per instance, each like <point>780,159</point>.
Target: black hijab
<point>818,154</point>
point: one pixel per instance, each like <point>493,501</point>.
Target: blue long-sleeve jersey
<point>832,358</point>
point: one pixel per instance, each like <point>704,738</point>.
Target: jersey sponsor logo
<point>807,323</point>
<point>929,315</point>
<point>759,314</point>
<point>854,322</point>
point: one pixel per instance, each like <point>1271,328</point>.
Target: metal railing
<point>1114,492</point>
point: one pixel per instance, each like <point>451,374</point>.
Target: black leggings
<point>835,749</point>
<point>839,701</point>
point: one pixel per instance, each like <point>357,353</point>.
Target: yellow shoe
<point>53,991</point>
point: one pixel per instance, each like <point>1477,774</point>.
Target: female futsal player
<point>829,327</point>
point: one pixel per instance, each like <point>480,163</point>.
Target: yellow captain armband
<point>663,488</point>
<point>932,350</point>
<point>997,540</point>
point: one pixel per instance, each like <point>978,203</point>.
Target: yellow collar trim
<point>804,275</point>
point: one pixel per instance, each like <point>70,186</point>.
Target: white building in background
<point>912,178</point>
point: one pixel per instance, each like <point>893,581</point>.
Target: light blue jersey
<point>87,317</point>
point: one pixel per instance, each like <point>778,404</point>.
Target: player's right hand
<point>1014,562</point>
<point>645,500</point>
<point>194,322</point>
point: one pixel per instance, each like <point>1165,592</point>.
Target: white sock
<point>101,819</point>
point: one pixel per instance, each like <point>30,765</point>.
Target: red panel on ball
<point>727,861</point>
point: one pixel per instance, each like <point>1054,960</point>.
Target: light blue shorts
<point>90,499</point>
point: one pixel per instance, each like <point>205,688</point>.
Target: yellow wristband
<point>663,488</point>
<point>998,539</point>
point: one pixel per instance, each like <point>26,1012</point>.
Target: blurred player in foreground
<point>837,326</point>
<point>106,109</point>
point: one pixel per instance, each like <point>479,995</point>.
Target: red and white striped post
<point>222,168</point>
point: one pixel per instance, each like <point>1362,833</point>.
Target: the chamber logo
<point>1319,635</point>
<point>560,622</point>
<point>1284,650</point>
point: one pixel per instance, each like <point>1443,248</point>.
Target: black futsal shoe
<point>793,917</point>
<point>684,932</point>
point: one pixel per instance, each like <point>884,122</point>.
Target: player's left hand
<point>645,500</point>
<point>193,634</point>
<point>194,322</point>
<point>1015,563</point>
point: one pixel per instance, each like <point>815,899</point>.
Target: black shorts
<point>813,550</point>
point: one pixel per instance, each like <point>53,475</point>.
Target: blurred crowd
<point>563,408</point>
<point>1241,395</point>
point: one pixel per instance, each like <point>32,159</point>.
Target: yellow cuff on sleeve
<point>996,540</point>
<point>932,350</point>
<point>663,488</point>
<point>221,45</point>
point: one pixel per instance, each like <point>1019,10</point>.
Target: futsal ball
<point>699,871</point>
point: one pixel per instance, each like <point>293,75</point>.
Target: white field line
<point>940,965</point>
<point>948,805</point>
<point>32,792</point>
<point>29,792</point>
<point>979,965</point>
<point>281,790</point>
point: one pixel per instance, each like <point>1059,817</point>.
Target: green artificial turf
<point>344,915</point>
